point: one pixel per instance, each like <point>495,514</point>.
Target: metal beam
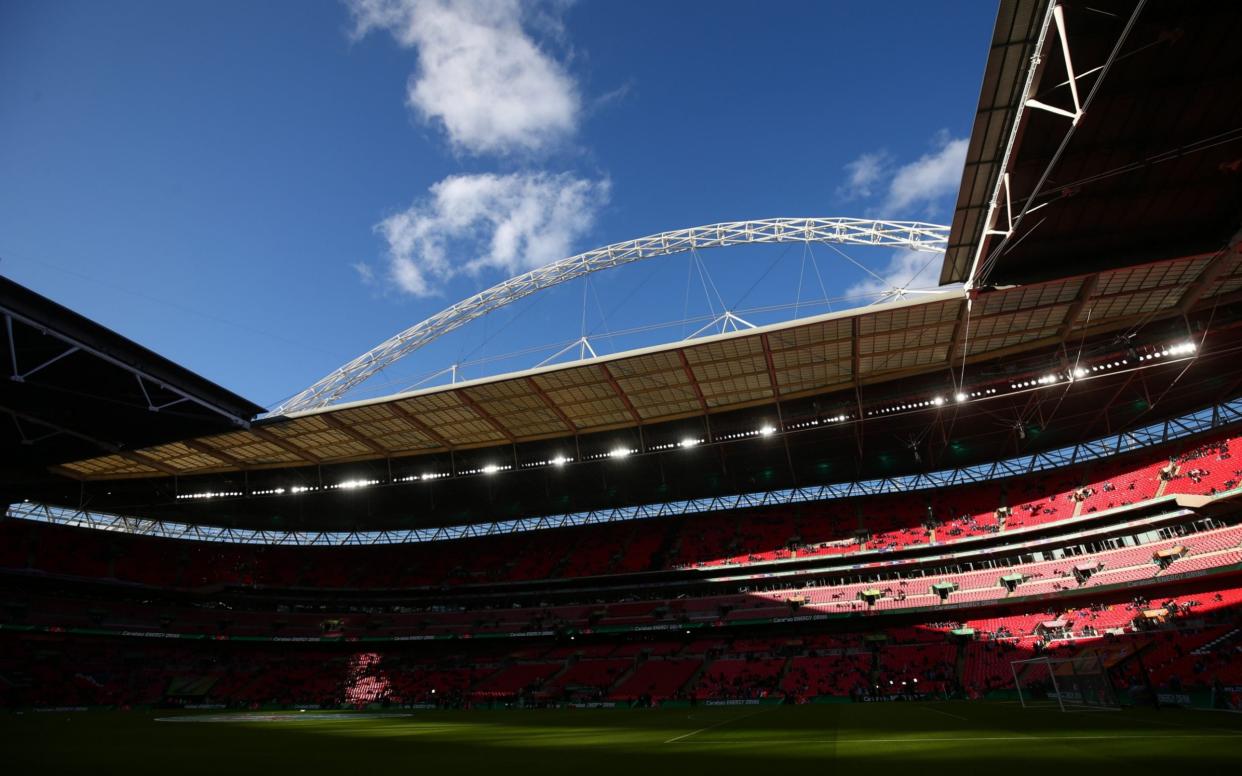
<point>354,434</point>
<point>11,315</point>
<point>419,425</point>
<point>547,401</point>
<point>268,436</point>
<point>959,332</point>
<point>638,419</point>
<point>107,446</point>
<point>694,382</point>
<point>146,460</point>
<point>1210,273</point>
<point>856,380</point>
<point>1085,291</point>
<point>467,400</point>
<point>982,268</point>
<point>767,357</point>
<point>197,446</point>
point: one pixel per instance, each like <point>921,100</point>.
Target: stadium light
<point>221,494</point>
<point>491,468</point>
<point>689,442</point>
<point>767,431</point>
<point>558,460</point>
<point>619,452</point>
<point>960,396</point>
<point>938,401</point>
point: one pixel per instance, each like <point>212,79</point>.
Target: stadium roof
<point>844,351</point>
<point>76,389</point>
<point>1144,162</point>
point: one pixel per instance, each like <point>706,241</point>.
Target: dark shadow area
<point>985,736</point>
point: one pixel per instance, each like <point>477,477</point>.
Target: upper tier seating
<point>875,524</point>
<point>1208,549</point>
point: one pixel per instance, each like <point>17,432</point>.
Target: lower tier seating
<point>1188,638</point>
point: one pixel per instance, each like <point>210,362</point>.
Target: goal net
<point>1079,683</point>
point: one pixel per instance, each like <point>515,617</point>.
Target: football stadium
<point>994,525</point>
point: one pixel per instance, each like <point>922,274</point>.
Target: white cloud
<point>472,223</point>
<point>921,186</point>
<point>480,75</point>
<point>906,269</point>
<point>864,172</point>
<point>365,272</point>
<point>927,179</point>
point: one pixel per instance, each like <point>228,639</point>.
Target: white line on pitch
<point>947,714</point>
<point>949,740</point>
<point>718,724</point>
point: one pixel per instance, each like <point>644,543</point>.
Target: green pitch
<point>925,738</point>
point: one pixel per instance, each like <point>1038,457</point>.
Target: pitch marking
<point>952,740</point>
<point>718,724</point>
<point>947,714</point>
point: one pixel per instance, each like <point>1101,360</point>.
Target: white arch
<point>913,235</point>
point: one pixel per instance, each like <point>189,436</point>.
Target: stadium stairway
<point>780,677</point>
<point>555,677</point>
<point>694,678</point>
<point>1216,642</point>
<point>670,545</point>
<point>624,676</point>
<point>1161,488</point>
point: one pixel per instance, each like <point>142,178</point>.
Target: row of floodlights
<point>1078,372</point>
<point>488,469</point>
<point>935,401</point>
<point>821,421</point>
<point>1180,349</point>
<point>213,494</point>
<point>766,430</point>
<point>962,396</point>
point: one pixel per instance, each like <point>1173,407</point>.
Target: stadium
<point>994,525</point>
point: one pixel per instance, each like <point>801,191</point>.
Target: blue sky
<point>261,191</point>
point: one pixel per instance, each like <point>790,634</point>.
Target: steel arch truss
<point>912,235</point>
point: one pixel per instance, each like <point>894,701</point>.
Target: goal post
<point>1079,683</point>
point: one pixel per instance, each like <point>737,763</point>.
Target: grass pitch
<point>934,738</point>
